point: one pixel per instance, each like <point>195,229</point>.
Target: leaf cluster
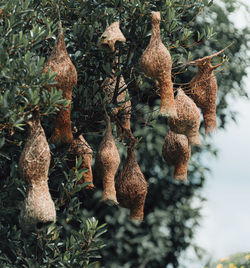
<point>72,241</point>
<point>190,29</point>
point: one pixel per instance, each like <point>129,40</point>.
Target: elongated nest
<point>66,79</point>
<point>80,148</point>
<point>188,120</point>
<point>107,163</point>
<point>156,63</point>
<point>176,151</point>
<point>204,90</point>
<point>38,209</point>
<point>131,187</point>
<point>112,35</point>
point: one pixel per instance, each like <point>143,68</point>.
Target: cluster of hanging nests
<point>129,189</point>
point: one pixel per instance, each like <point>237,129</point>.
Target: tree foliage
<point>190,29</point>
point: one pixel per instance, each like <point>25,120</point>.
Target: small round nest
<point>188,120</point>
<point>176,151</point>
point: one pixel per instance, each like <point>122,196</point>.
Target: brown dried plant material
<point>107,163</point>
<point>66,79</point>
<point>204,90</point>
<point>112,35</point>
<point>156,63</point>
<point>124,109</point>
<point>34,162</point>
<point>188,120</point>
<point>124,114</point>
<point>80,148</point>
<point>131,186</point>
<point>176,151</point>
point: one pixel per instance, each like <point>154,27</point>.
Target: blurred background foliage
<point>28,30</point>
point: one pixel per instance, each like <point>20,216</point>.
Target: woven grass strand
<point>188,120</point>
<point>112,35</point>
<point>80,148</point>
<point>176,151</point>
<point>123,112</point>
<point>34,164</point>
<point>131,186</point>
<point>156,63</point>
<point>107,163</point>
<point>204,90</point>
<point>66,79</point>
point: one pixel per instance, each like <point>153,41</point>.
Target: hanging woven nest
<point>156,63</point>
<point>188,120</point>
<point>107,163</point>
<point>112,35</point>
<point>38,209</point>
<point>66,79</point>
<point>80,148</point>
<point>131,186</point>
<point>204,90</point>
<point>176,151</point>
<point>123,111</point>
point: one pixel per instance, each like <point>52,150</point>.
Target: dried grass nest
<point>112,35</point>
<point>131,186</point>
<point>66,79</point>
<point>38,209</point>
<point>176,151</point>
<point>188,120</point>
<point>156,63</point>
<point>80,148</point>
<point>106,165</point>
<point>123,111</point>
<point>204,90</point>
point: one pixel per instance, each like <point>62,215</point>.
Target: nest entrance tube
<point>66,79</point>
<point>188,120</point>
<point>107,163</point>
<point>34,166</point>
<point>156,63</point>
<point>131,186</point>
<point>176,151</point>
<point>204,90</point>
